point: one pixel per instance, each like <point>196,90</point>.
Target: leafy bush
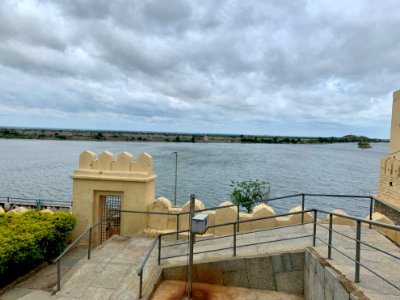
<point>29,239</point>
<point>247,192</point>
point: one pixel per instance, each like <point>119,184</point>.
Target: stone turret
<point>395,128</point>
<point>130,181</point>
<point>389,178</point>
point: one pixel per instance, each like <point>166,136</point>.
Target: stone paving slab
<point>111,273</point>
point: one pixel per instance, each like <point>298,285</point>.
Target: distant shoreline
<point>93,135</point>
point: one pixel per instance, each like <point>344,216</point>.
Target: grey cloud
<point>174,61</point>
<point>166,13</point>
<point>39,26</point>
<point>84,9</point>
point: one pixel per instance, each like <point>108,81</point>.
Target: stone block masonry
<point>300,272</point>
<point>322,281</point>
<point>280,272</point>
<point>389,178</point>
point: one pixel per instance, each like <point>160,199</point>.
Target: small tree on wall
<point>245,193</point>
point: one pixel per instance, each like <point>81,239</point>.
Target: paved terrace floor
<point>112,271</point>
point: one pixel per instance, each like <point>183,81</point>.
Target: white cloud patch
<point>320,68</point>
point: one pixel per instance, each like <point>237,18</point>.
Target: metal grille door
<point>109,209</point>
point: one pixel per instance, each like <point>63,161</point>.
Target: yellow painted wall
<point>133,180</point>
<point>389,179</point>
<point>395,126</point>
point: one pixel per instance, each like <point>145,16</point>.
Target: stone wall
<point>389,181</point>
<point>387,210</point>
<point>389,178</point>
<point>301,272</point>
<point>322,281</point>
<point>281,272</point>
<point>227,213</point>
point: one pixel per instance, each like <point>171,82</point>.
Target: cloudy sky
<point>305,68</point>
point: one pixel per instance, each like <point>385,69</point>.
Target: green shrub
<point>247,192</point>
<point>29,239</point>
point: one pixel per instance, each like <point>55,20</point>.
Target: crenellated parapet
<point>106,166</point>
<point>226,212</point>
<point>103,183</point>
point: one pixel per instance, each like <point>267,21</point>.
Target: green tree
<point>245,193</point>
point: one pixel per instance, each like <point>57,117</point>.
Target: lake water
<point>42,169</point>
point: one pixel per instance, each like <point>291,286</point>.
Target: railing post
<point>237,218</point>
<point>371,210</point>
<point>330,238</point>
<point>358,248</point>
<point>90,243</point>
<point>302,208</point>
<point>234,239</point>
<point>315,227</point>
<point>159,249</point>
<point>191,242</point>
<point>177,226</point>
<point>8,199</point>
<point>140,284</point>
<point>58,275</point>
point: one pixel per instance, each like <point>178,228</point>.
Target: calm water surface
<point>42,169</point>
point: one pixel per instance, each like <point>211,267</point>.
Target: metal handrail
<point>337,195</point>
<point>34,201</point>
<point>364,243</point>
<point>235,224</point>
<point>360,264</point>
<point>380,224</point>
<point>303,195</point>
<point>358,241</point>
<point>140,269</point>
<point>50,202</point>
<point>73,244</point>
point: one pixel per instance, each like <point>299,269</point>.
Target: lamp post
<point>176,174</point>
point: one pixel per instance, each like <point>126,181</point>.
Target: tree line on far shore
<point>62,134</point>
